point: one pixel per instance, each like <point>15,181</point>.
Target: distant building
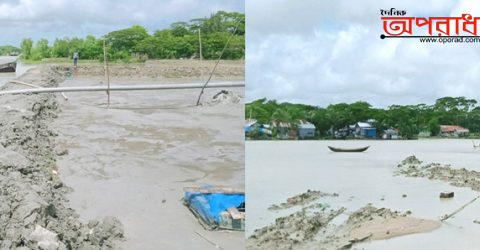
<point>453,131</point>
<point>390,134</point>
<point>284,130</point>
<point>365,130</point>
<point>424,134</point>
<point>250,125</point>
<point>306,130</point>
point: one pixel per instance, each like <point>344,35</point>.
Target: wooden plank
<point>236,215</point>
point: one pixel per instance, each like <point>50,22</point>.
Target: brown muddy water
<point>132,160</point>
<point>278,170</point>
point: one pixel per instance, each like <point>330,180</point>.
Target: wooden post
<point>107,74</point>
<point>201,55</point>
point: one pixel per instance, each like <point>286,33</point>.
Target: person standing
<point>75,59</point>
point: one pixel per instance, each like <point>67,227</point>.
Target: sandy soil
<point>132,160</point>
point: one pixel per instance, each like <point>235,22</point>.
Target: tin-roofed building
<point>306,130</point>
<point>365,130</point>
<point>453,130</point>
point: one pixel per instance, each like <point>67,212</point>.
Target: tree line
<point>181,40</point>
<point>9,50</point>
<point>408,119</point>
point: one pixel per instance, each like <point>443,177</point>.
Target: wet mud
<point>34,210</point>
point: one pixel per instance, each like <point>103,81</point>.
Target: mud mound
<point>33,209</point>
<point>294,230</point>
<point>224,97</point>
<point>436,171</point>
<point>311,228</point>
<point>302,199</point>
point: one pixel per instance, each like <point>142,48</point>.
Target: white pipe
<point>35,86</point>
<point>124,88</point>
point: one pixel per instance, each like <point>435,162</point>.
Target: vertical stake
<point>107,74</point>
<point>201,55</point>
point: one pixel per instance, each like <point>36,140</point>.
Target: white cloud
<point>60,18</point>
<point>330,51</point>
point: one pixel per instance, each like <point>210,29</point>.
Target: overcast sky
<point>68,18</point>
<point>323,52</point>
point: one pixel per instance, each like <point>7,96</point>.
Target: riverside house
<point>453,131</point>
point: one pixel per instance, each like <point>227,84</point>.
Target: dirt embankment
<point>312,228</point>
<point>169,69</point>
<point>413,167</point>
<point>33,208</point>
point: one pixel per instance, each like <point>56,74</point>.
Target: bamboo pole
<point>35,86</point>
<point>124,88</point>
<point>447,216</point>
<point>216,64</point>
<point>201,53</point>
<point>107,73</point>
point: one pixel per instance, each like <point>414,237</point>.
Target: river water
<point>277,170</point>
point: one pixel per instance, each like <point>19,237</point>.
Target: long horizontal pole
<point>123,88</point>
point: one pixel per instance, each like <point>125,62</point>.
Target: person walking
<point>75,59</point>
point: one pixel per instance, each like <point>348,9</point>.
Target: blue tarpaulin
<point>210,205</point>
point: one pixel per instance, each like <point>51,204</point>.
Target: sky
<point>322,52</point>
<point>69,18</point>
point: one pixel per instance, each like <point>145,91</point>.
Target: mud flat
<point>301,199</point>
<point>459,177</point>
<point>312,228</point>
<point>133,159</point>
<point>34,210</point>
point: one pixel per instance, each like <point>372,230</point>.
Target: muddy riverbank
<point>278,170</point>
<point>34,210</point>
<point>133,159</point>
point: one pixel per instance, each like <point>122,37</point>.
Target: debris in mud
<point>312,228</point>
<point>217,207</point>
<point>302,199</point>
<point>293,230</point>
<point>225,97</point>
<point>436,171</point>
<point>34,211</point>
<point>445,195</point>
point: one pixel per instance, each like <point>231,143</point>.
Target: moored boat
<point>348,150</point>
<point>8,68</point>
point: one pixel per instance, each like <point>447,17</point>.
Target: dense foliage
<point>409,119</point>
<point>181,40</point>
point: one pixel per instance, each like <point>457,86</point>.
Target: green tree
<point>42,48</point>
<point>26,48</point>
<point>126,39</point>
<point>60,48</point>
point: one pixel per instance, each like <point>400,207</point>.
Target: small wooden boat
<point>349,150</point>
<point>8,64</point>
<point>8,68</point>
